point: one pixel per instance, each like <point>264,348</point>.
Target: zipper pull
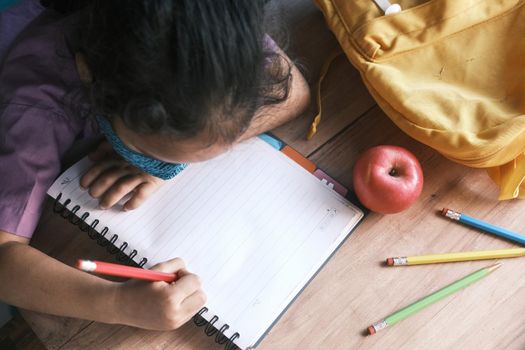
<point>387,7</point>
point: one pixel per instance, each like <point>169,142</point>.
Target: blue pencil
<point>482,225</point>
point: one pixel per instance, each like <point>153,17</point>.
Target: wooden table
<point>354,289</point>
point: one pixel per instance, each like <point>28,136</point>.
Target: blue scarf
<point>145,163</point>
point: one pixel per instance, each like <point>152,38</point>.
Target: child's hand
<point>110,179</point>
<point>161,305</point>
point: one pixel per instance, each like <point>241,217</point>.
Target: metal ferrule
<point>454,215</point>
<point>379,325</point>
<point>402,260</point>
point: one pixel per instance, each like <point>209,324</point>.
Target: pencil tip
<point>494,267</point>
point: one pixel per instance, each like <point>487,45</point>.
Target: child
<point>168,82</point>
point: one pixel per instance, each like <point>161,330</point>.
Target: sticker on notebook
<point>299,158</point>
<point>272,141</point>
<point>330,182</point>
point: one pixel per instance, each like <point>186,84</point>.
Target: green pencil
<point>431,299</point>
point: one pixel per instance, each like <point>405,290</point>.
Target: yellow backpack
<point>449,73</point>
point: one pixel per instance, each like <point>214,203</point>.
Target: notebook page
<point>253,224</point>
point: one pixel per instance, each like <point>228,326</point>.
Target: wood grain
<point>354,289</point>
<point>17,335</point>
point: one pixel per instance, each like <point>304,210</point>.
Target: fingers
<point>96,170</point>
<point>194,302</point>
<point>187,285</point>
<point>164,306</point>
<point>113,179</point>
<point>119,190</point>
<point>109,178</point>
<point>142,192</point>
<point>173,265</point>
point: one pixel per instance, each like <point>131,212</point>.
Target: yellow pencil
<point>451,257</point>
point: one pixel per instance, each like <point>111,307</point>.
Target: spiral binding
<point>91,229</point>
<point>102,239</point>
<point>210,330</point>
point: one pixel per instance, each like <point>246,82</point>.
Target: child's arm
<point>270,117</point>
<point>35,281</point>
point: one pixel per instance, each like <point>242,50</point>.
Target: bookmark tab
<point>272,141</point>
<point>330,182</point>
<point>299,158</point>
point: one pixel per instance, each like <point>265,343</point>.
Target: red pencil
<point>105,268</point>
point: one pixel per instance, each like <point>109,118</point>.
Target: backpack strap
<point>510,177</point>
<point>324,70</point>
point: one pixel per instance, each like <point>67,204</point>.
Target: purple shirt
<point>39,119</point>
<point>14,19</point>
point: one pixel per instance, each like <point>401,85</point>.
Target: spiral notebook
<point>252,223</point>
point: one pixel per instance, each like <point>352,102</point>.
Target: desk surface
<point>354,289</point>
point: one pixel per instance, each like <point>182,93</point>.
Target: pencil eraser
<point>390,261</point>
<point>444,211</point>
<point>86,265</point>
<point>371,330</point>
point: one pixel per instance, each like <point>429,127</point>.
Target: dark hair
<point>180,67</point>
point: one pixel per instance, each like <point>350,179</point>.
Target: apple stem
<point>393,172</point>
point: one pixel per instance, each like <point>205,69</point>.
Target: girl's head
<point>180,80</point>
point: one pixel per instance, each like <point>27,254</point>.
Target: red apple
<point>387,179</point>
